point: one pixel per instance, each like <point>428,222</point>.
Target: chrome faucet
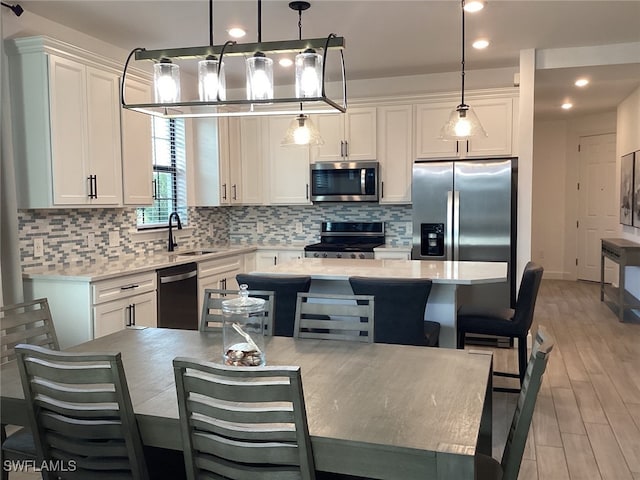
<point>172,242</point>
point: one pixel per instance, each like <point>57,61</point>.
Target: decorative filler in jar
<point>242,330</point>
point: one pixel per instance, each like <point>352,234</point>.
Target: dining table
<point>374,410</point>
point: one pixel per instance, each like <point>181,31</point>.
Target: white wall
<point>628,140</point>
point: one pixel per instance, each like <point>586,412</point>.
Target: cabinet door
<point>288,255</point>
<point>205,163</point>
<point>266,258</point>
<point>103,136</point>
<point>110,317</point>
<point>137,160</point>
<point>67,91</point>
<point>251,161</point>
<point>496,117</point>
<point>145,310</point>
<point>430,117</point>
<point>224,160</point>
<point>331,128</point>
<point>234,139</point>
<point>288,166</point>
<point>395,153</point>
<point>360,134</point>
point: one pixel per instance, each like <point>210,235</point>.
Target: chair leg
<point>460,339</point>
<point>522,357</point>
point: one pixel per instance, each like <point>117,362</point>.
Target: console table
<point>626,254</point>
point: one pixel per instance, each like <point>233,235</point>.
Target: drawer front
<point>123,287</point>
<point>220,266</point>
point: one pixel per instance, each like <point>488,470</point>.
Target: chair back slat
<point>335,317</point>
<point>212,318</point>
<point>27,322</point>
<point>248,422</point>
<point>517,437</point>
<point>83,428</point>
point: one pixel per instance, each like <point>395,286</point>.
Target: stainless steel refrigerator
<point>466,210</point>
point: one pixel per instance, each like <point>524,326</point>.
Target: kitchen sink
<point>195,253</point>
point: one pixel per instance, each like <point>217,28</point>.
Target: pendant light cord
<point>259,21</point>
<point>462,62</point>
<point>211,23</point>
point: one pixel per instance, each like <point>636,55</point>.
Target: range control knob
<point>316,255</point>
<point>324,255</point>
<point>361,255</point>
<point>338,255</point>
<point>353,255</point>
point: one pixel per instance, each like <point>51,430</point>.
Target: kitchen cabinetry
<point>83,310</point>
<point>246,177</point>
<point>349,136</point>
<point>392,254</point>
<point>395,152</point>
<point>219,273</point>
<point>288,166</point>
<point>267,258</point>
<point>495,114</point>
<point>66,127</point>
<point>137,162</point>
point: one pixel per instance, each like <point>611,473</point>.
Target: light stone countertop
<point>103,270</point>
<point>443,272</point>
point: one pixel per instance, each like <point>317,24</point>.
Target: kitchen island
<point>331,275</point>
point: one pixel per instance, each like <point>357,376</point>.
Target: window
<point>169,176</point>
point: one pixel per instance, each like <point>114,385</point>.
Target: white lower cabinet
<point>267,258</point>
<point>219,273</point>
<point>136,311</point>
<point>392,255</point>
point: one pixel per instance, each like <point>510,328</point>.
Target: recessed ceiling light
<point>582,82</point>
<point>480,44</point>
<point>236,32</point>
<point>474,5</point>
<point>285,62</point>
<point>567,105</point>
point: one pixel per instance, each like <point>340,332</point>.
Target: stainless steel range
<point>347,240</point>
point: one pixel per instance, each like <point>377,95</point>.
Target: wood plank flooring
<point>586,425</point>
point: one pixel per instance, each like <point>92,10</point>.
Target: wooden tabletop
<point>374,410</point>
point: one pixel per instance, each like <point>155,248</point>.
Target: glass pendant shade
<point>259,77</point>
<point>166,80</point>
<point>463,124</point>
<point>209,84</point>
<point>308,74</point>
<point>301,132</point>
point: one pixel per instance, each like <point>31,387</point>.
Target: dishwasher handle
<point>178,277</point>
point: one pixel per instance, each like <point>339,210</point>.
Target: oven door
<point>344,182</point>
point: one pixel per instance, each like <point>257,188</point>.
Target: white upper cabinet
<point>137,161</point>
<point>288,166</point>
<point>395,152</point>
<point>349,136</point>
<point>66,127</point>
<point>496,117</point>
<point>246,170</point>
<point>205,180</point>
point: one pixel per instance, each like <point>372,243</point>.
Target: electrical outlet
<point>298,227</point>
<point>91,241</point>
<point>114,238</point>
<point>259,227</point>
<point>38,247</point>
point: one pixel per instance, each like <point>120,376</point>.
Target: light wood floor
<point>586,423</point>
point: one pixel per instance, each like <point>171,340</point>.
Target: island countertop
<point>440,272</point>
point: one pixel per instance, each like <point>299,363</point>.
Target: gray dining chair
<point>334,317</point>
<point>211,318</point>
<point>242,422</point>
<point>81,414</point>
<point>400,304</point>
<point>488,468</point>
<point>30,323</point>
<point>285,287</point>
<point>512,323</point>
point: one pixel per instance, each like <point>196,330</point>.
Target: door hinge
<point>576,262</point>
<point>578,185</point>
<point>578,147</point>
<point>577,223</point>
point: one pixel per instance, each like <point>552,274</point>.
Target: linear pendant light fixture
<point>463,122</point>
<point>262,98</point>
<point>302,132</point>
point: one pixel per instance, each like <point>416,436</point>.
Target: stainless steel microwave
<point>344,182</point>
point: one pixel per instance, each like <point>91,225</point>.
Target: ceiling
<point>389,37</point>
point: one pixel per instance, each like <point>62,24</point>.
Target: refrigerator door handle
<point>449,233</point>
<point>456,225</point>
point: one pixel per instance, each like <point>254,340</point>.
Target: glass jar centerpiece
<point>243,330</point>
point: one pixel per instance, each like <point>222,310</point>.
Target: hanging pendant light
<point>259,70</point>
<point>166,79</point>
<point>463,123</point>
<point>301,132</point>
<point>211,81</point>
<point>308,74</point>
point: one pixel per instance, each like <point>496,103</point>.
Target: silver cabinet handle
<point>234,191</point>
<point>177,278</point>
<point>449,233</point>
<point>456,225</point>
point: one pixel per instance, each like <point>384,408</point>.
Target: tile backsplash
<point>65,231</point>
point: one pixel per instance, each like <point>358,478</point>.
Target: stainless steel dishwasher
<point>178,297</point>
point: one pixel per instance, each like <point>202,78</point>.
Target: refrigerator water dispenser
<point>432,239</point>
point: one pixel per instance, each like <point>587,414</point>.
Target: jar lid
<point>243,303</point>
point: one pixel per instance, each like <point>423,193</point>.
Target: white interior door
<point>597,203</point>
